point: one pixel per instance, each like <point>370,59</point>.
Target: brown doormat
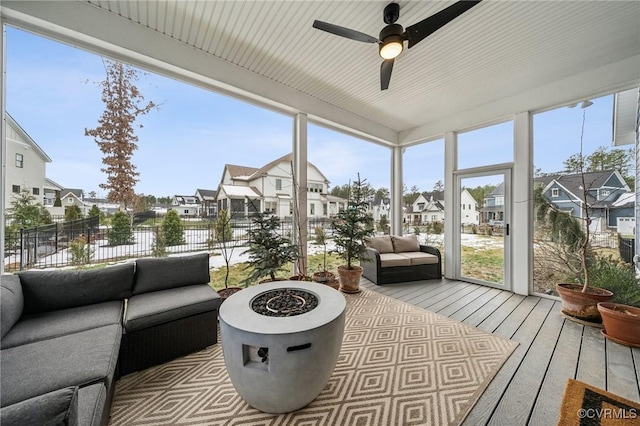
<point>586,405</point>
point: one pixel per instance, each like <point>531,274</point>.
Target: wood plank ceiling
<point>492,58</point>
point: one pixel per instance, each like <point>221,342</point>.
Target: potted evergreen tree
<point>268,250</point>
<point>351,227</point>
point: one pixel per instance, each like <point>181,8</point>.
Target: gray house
<point>605,191</point>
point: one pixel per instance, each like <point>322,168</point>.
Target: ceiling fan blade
<point>385,74</point>
<point>420,30</point>
<point>344,32</point>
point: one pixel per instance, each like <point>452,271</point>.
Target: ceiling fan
<point>392,36</point>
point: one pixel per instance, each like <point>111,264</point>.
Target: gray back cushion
<point>46,291</point>
<point>11,302</point>
<point>161,273</point>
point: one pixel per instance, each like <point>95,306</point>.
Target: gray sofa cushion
<point>55,408</point>
<point>91,404</point>
<point>36,327</point>
<point>159,307</point>
<point>161,273</point>
<point>78,359</point>
<point>11,302</point>
<point>53,290</point>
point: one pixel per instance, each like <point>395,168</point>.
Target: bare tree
<point>115,134</point>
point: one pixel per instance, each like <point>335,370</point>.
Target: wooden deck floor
<point>528,389</point>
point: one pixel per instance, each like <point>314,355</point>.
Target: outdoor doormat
<point>586,405</point>
<point>399,365</point>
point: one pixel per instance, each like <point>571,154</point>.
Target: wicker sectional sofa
<point>392,259</point>
<point>68,335</point>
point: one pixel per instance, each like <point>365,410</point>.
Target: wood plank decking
<point>529,387</point>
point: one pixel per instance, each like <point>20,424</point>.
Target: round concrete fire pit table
<point>279,364</point>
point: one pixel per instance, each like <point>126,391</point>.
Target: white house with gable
<point>429,207</point>
<point>268,189</point>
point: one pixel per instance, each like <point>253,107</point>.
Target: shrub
<point>224,232</point>
<point>95,211</point>
<point>616,276</point>
<point>72,213</point>
<point>121,232</point>
<point>81,252</point>
<point>172,229</point>
<point>159,246</point>
<point>384,224</point>
<point>437,227</point>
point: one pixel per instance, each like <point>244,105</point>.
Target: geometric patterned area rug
<point>586,405</point>
<point>399,365</point>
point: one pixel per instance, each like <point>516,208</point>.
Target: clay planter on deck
<point>350,278</point>
<point>583,306</point>
<point>621,323</point>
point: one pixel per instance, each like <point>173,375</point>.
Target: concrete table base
<point>302,349</point>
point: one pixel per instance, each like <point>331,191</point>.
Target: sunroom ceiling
<point>499,58</point>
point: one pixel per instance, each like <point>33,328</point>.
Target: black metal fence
<point>84,241</point>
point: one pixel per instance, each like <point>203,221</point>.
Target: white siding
<point>32,173</point>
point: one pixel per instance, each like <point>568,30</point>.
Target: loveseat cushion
<point>388,260</point>
<point>36,327</point>
<point>159,307</point>
<point>383,244</point>
<point>420,258</point>
<point>161,273</point>
<point>405,243</point>
<point>11,302</point>
<point>56,408</point>
<point>46,291</point>
<point>78,359</point>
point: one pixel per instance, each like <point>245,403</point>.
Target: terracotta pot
<point>323,276</point>
<point>583,306</point>
<point>300,278</point>
<point>350,278</point>
<point>226,292</point>
<point>333,283</point>
<point>621,323</point>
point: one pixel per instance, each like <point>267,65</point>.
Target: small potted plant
<point>268,250</point>
<point>324,276</point>
<point>223,235</point>
<point>351,227</point>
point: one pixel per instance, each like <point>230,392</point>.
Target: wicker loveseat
<point>393,259</point>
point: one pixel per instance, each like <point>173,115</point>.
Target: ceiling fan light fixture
<point>391,47</point>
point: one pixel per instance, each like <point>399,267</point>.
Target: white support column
<point>450,162</point>
<point>522,206</point>
<point>299,191</point>
<point>396,190</point>
<point>3,137</point>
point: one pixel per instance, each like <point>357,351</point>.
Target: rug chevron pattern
<point>399,365</point>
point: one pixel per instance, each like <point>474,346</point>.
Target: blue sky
<point>52,92</point>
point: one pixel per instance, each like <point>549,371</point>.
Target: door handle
<point>506,229</point>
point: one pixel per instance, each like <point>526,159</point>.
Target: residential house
<point>381,206</point>
<point>186,205</point>
<point>25,164</point>
<point>492,211</point>
<point>207,199</point>
<point>52,192</point>
<point>606,195</point>
<point>428,207</point>
<point>269,189</point>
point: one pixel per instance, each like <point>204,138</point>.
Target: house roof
<point>240,172</point>
<point>240,191</point>
<point>593,180</point>
<point>207,194</point>
<point>467,73</point>
<point>75,192</point>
